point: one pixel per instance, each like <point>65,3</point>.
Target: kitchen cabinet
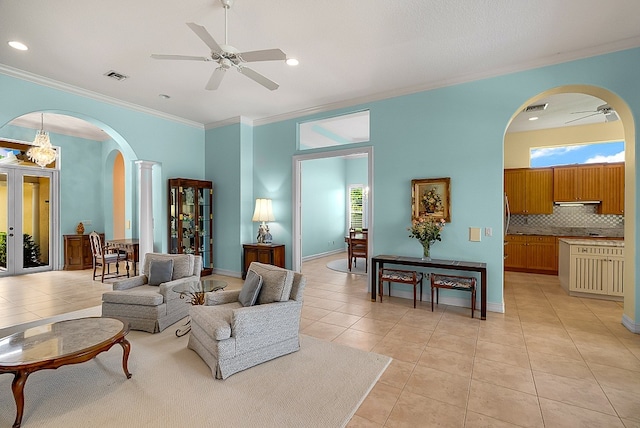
<point>191,219</point>
<point>577,183</point>
<point>271,254</point>
<point>530,190</point>
<point>612,189</point>
<point>531,253</point>
<point>592,267</point>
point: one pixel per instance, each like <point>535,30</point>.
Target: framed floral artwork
<point>431,197</point>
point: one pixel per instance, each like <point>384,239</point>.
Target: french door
<point>28,220</point>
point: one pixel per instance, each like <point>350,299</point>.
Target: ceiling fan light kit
<point>229,57</point>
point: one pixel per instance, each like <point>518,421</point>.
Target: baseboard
<point>226,272</point>
<point>630,324</point>
<point>319,256</point>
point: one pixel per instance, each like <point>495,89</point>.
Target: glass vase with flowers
<point>426,230</point>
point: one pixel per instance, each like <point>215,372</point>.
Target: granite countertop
<point>597,242</point>
<point>604,232</point>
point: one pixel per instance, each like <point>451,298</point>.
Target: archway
<point>626,118</point>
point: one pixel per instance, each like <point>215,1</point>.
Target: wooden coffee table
<point>50,346</point>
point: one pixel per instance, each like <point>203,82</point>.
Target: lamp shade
<point>263,211</point>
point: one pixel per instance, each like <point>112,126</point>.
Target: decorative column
<point>145,206</point>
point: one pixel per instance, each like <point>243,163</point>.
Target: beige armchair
<point>230,337</point>
<point>148,301</point>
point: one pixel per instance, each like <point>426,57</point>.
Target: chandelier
<point>42,152</point>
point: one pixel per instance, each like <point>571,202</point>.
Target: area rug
<point>342,265</point>
<point>322,385</point>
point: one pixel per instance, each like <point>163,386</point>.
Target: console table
<point>433,263</point>
<point>131,247</point>
<point>271,254</point>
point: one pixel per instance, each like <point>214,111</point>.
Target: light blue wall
<point>452,132</point>
<point>177,147</point>
<point>323,205</point>
<point>357,172</point>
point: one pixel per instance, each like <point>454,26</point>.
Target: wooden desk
<point>131,247</point>
<point>433,263</point>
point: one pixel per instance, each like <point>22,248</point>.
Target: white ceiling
<point>349,51</point>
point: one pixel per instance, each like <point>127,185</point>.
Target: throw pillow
<point>160,271</point>
<point>250,289</point>
<point>276,283</point>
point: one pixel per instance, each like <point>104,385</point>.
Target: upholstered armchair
<point>148,301</point>
<point>238,329</point>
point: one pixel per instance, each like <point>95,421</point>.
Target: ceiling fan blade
<point>582,112</point>
<point>583,117</point>
<point>254,75</point>
<point>205,36</point>
<point>215,79</point>
<point>263,55</point>
<point>181,57</point>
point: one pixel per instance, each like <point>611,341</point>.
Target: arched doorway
<point>628,131</point>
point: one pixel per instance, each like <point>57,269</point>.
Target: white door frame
<point>296,244</point>
<point>15,175</point>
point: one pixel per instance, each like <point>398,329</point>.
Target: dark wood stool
<point>452,282</point>
<point>401,276</point>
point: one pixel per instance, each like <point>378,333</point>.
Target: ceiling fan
<point>227,56</point>
<point>605,109</point>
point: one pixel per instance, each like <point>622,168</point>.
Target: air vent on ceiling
<point>536,107</point>
<point>115,75</point>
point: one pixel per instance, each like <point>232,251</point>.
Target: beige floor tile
<point>358,339</point>
<point>502,353</point>
<point>506,375</point>
<point>561,366</point>
<point>447,361</point>
<point>463,345</point>
<point>554,346</point>
<point>501,337</point>
<point>323,330</point>
<point>614,377</point>
<point>314,313</point>
<point>629,423</point>
<point>625,403</point>
<point>557,414</point>
<point>410,334</point>
<point>354,309</point>
<point>476,420</point>
<point>360,422</point>
<point>505,404</point>
<point>585,393</point>
<point>618,356</point>
<point>341,319</point>
<point>398,349</point>
<point>379,403</point>
<point>438,385</point>
<point>374,326</point>
<point>397,373</point>
<point>412,410</point>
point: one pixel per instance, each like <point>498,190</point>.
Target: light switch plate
<point>474,234</point>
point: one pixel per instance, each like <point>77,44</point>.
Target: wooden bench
<point>401,276</point>
<point>453,282</point>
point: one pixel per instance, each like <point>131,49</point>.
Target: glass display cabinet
<point>191,219</point>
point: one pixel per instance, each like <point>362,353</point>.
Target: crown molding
<point>231,121</point>
<point>44,81</point>
<point>560,58</point>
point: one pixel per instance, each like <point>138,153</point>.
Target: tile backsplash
<point>580,216</point>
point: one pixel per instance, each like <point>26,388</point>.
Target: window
<point>357,204</point>
<point>577,154</point>
<point>341,130</point>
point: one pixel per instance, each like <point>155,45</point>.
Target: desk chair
<point>103,256</point>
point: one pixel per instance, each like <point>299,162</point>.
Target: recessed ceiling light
<point>534,118</point>
<point>164,96</point>
<point>292,61</point>
<point>17,45</point>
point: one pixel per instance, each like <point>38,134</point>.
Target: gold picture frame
<point>431,197</point>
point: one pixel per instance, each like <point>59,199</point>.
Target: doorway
<point>28,207</point>
<point>297,195</point>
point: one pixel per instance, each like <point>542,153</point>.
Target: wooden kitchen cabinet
<point>531,253</point>
<point>529,190</point>
<point>612,189</point>
<point>577,183</point>
<point>271,254</point>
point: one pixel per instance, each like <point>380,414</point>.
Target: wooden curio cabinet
<point>191,219</point>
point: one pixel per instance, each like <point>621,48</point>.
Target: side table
<point>195,296</point>
<point>271,254</point>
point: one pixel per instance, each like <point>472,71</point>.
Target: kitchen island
<point>592,268</point>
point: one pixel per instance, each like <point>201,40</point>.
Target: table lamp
<point>263,213</point>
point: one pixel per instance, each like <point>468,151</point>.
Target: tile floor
<point>550,360</point>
